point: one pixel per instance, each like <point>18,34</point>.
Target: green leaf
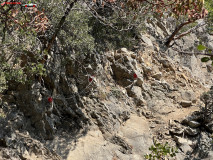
<point>200,47</point>
<point>205,59</point>
<point>45,52</point>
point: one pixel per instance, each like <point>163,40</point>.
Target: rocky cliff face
<point>108,106</point>
<point>160,29</point>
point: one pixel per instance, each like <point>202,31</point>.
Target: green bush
<point>160,151</point>
<point>107,38</point>
<point>209,7</point>
<point>74,35</point>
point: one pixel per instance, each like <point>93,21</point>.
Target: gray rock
<point>147,41</point>
<point>188,95</point>
<point>210,42</point>
<point>193,124</point>
<point>184,103</point>
<point>157,76</point>
<point>209,68</point>
<point>193,117</point>
<point>139,81</point>
<point>177,131</point>
<point>176,128</point>
<point>125,147</point>
<point>181,141</point>
<point>180,155</point>
<point>123,50</point>
<point>184,144</point>
<point>191,132</point>
<point>135,92</point>
<point>185,148</point>
<point>159,32</point>
<point>167,63</point>
<point>204,145</point>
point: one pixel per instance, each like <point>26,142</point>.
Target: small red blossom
<point>135,75</point>
<point>90,79</point>
<point>50,99</point>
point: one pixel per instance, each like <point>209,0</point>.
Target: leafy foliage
<point>200,47</point>
<point>160,151</point>
<point>107,38</point>
<point>91,25</point>
<point>75,34</point>
<point>205,59</point>
<point>209,19</point>
<point>208,51</point>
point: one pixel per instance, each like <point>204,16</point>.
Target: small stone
<point>182,141</point>
<point>184,103</point>
<point>139,81</point>
<point>147,41</point>
<point>191,132</point>
<point>123,50</point>
<point>193,124</point>
<point>209,68</point>
<point>135,92</point>
<point>177,131</point>
<point>133,56</point>
<point>186,148</point>
<point>188,95</point>
<point>157,76</point>
<point>140,59</point>
<point>152,126</point>
<point>158,121</point>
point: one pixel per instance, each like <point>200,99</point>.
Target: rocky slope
<point>109,107</point>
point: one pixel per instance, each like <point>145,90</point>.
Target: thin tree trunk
<point>177,29</point>
<point>60,24</point>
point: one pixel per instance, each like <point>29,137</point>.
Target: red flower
<point>90,79</point>
<point>135,75</point>
<point>50,99</point>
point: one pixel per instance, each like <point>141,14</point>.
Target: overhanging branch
<point>178,28</point>
<point>60,24</point>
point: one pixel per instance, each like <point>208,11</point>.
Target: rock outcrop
<point>110,106</point>
<point>103,109</point>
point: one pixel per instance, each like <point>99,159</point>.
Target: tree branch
<point>178,28</point>
<point>60,24</point>
<point>189,31</point>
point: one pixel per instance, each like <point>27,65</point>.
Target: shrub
<point>209,19</point>
<point>160,151</point>
<point>75,34</point>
